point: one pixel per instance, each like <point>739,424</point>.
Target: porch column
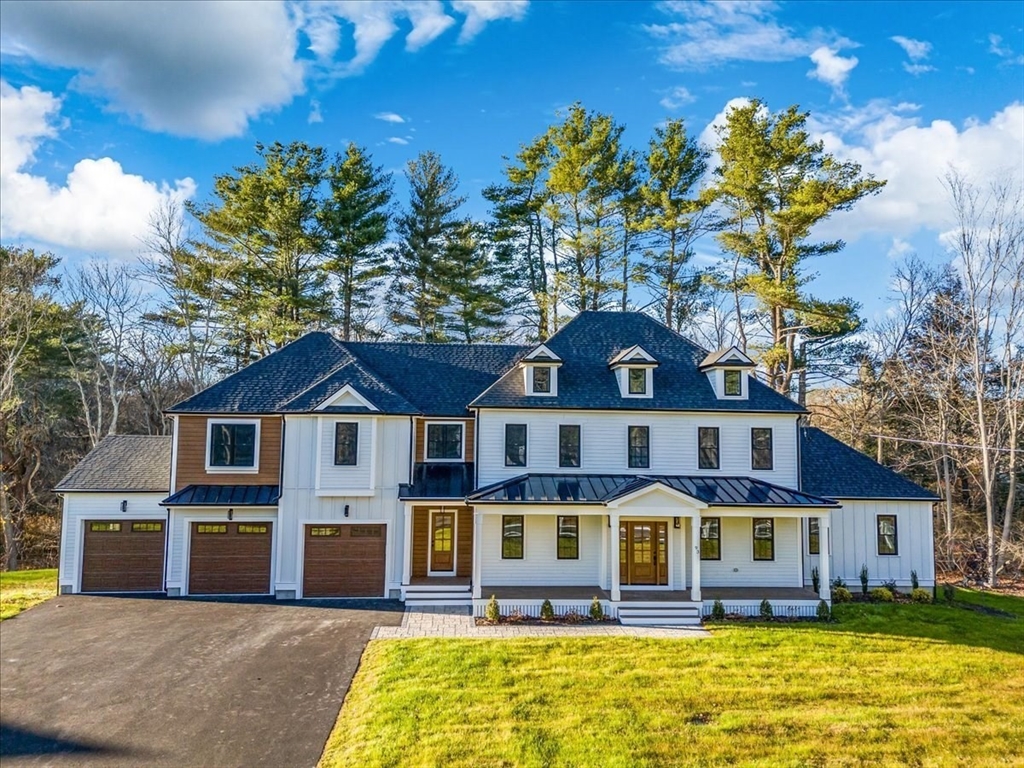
<point>613,554</point>
<point>695,558</point>
<point>407,546</point>
<point>825,556</point>
<point>478,519</point>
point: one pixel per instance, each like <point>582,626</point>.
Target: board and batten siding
<point>358,477</point>
<point>300,504</point>
<point>603,443</point>
<point>855,543</point>
<point>191,453</point>
<point>540,565</point>
<point>737,568</point>
<point>82,506</point>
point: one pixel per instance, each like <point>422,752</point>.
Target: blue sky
<point>109,108</point>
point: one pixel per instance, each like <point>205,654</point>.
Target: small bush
<point>914,583</point>
<point>841,595</point>
<point>816,580</point>
<point>864,579</point>
<point>766,610</point>
<point>824,612</point>
<point>547,611</point>
<point>891,586</point>
<point>717,610</point>
<point>881,595</point>
<point>493,610</point>
<point>838,583</point>
<point>921,595</point>
<point>948,593</point>
<point>572,616</point>
<point>596,610</point>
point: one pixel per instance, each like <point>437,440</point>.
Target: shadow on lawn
<point>25,742</point>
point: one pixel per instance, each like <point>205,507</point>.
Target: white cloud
<point>711,33</point>
<point>98,208</point>
<point>917,69</point>
<point>191,69</point>
<point>397,140</point>
<point>390,117</point>
<point>995,46</point>
<point>831,68</point>
<point>479,13</point>
<point>677,98</point>
<point>916,50</point>
<point>315,116</point>
<point>899,249</point>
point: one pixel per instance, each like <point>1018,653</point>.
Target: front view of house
<point>617,460</point>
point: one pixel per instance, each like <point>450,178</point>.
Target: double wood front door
<point>442,541</point>
<point>643,552</point>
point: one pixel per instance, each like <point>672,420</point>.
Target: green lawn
<point>886,685</point>
<point>20,590</point>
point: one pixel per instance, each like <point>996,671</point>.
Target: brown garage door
<point>123,556</point>
<point>229,559</point>
<point>344,561</point>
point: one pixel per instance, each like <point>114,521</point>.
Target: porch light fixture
<point>675,522</point>
<point>231,514</point>
<point>346,510</point>
<point>124,505</point>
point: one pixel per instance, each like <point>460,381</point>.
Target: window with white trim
<point>444,441</point>
<point>232,445</point>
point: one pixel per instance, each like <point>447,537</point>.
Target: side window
<point>707,439</point>
<point>568,538</point>
<point>764,538</point>
<point>888,543</point>
<point>813,536</point>
<point>639,447</point>
<point>515,445</point>
<point>761,448</point>
<point>512,537</point>
<point>711,538</point>
<point>569,445</point>
<point>346,444</point>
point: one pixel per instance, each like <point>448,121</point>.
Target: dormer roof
<point>542,354</point>
<point>727,357</point>
<point>633,356</point>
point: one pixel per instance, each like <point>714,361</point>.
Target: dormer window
<point>540,372</point>
<point>728,370</point>
<point>733,383</point>
<point>637,381</point>
<point>634,370</point>
<point>542,379</point>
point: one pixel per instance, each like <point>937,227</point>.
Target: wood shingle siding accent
<point>421,437</point>
<point>420,540</point>
<point>464,522</point>
<point>191,469</point>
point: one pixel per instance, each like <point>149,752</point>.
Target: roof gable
<point>635,355</point>
<point>727,357</point>
<point>346,397</point>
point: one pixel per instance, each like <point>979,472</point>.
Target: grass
<point>20,590</point>
<point>885,685</point>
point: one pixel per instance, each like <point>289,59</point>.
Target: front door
<point>643,553</point>
<point>442,541</point>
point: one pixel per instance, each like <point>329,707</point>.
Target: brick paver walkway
<point>457,622</point>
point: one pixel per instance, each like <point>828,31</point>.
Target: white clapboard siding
<point>82,506</point>
<point>603,443</point>
<point>540,565</point>
<point>299,503</point>
<point>737,568</point>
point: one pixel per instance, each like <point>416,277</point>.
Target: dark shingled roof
<point>442,480</point>
<point>601,489</point>
<point>224,496</point>
<point>591,339</point>
<point>829,467</point>
<point>123,463</point>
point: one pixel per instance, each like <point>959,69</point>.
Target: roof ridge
<point>334,370</point>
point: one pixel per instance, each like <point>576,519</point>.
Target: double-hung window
<point>761,448</point>
<point>639,447</point>
<point>888,544</point>
<point>512,537</point>
<point>568,537</point>
<point>707,439</point>
<point>515,445</point>
<point>711,538</point>
<point>569,445</point>
<point>637,381</point>
<point>733,383</point>
<point>764,538</point>
<point>346,444</point>
<point>232,444</point>
<point>444,442</point>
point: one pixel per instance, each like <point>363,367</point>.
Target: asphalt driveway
<point>136,681</point>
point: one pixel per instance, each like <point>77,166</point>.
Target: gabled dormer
<point>634,370</point>
<point>728,369</point>
<point>540,372</point>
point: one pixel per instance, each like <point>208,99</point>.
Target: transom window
<point>707,440</point>
<point>568,538</point>
<point>346,443</point>
<point>813,536</point>
<point>637,381</point>
<point>542,378</point>
<point>764,538</point>
<point>569,445</point>
<point>515,445</point>
<point>888,544</point>
<point>512,537</point>
<point>232,444</point>
<point>711,538</point>
<point>444,442</point>
<point>639,447</point>
<point>252,529</point>
<point>761,448</point>
<point>733,383</point>
<point>104,527</point>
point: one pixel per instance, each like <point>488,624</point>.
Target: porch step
<point>663,615</point>
<point>425,595</point>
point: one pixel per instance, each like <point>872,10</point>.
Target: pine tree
<point>355,222</point>
<point>477,307</point>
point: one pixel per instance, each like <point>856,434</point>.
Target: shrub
<point>547,611</point>
<point>841,595</point>
<point>948,593</point>
<point>881,595</point>
<point>572,616</point>
<point>921,595</point>
<point>717,610</point>
<point>914,583</point>
<point>596,610</point>
<point>838,583</point>
<point>824,612</point>
<point>816,580</point>
<point>493,610</point>
<point>891,586</point>
<point>766,610</point>
<point>864,579</point>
